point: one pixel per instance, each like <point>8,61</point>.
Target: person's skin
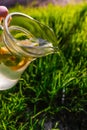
<point>3,12</point>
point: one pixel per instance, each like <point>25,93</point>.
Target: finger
<point>3,12</point>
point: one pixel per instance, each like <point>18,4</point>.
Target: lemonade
<point>11,68</point>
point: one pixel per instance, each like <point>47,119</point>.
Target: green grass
<point>37,97</point>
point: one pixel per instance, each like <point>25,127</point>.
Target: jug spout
<point>37,47</point>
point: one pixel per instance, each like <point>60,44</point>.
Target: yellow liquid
<point>11,68</point>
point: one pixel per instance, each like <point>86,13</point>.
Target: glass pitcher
<point>22,40</point>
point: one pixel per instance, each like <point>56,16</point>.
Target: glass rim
<point>9,16</point>
<point>12,39</point>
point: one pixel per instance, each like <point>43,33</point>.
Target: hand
<point>3,12</point>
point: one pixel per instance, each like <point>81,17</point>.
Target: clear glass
<point>22,40</point>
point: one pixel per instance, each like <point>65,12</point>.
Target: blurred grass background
<point>38,96</point>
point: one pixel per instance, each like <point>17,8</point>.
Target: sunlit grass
<point>38,96</point>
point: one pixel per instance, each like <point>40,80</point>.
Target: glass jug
<point>22,40</point>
